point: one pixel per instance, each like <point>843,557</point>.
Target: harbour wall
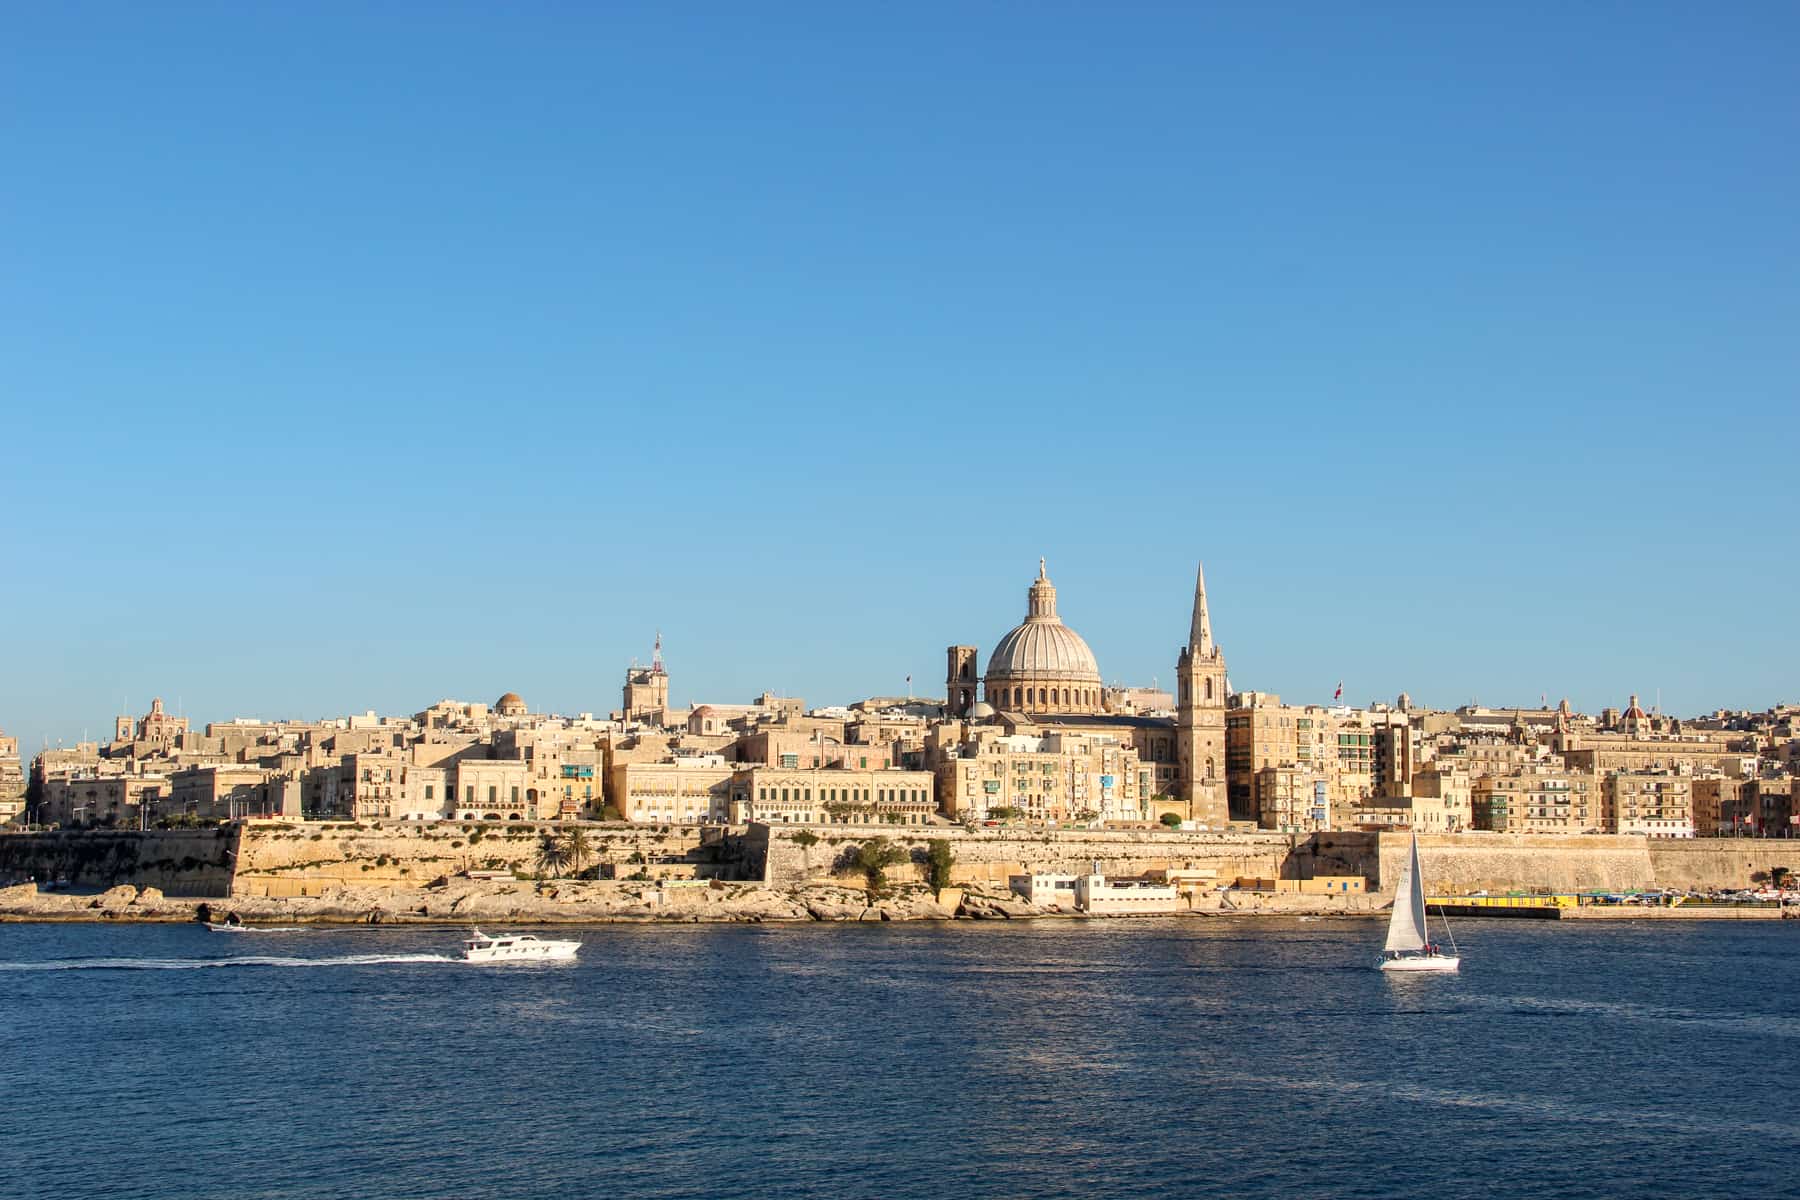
<point>181,862</point>
<point>280,860</point>
<point>306,859</point>
<point>990,857</point>
<point>1467,862</point>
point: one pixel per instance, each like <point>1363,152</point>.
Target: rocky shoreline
<point>464,902</point>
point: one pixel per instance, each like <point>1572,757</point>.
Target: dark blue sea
<point>1131,1059</point>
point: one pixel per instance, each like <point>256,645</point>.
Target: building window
<point>493,793</point>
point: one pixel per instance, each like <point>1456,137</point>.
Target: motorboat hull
<point>542,952</point>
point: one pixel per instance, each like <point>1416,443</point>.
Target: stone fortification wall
<point>1720,862</point>
<point>282,860</point>
<point>1467,862</point>
<point>988,857</point>
<point>180,862</point>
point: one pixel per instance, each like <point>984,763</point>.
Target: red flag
<point>1339,694</point>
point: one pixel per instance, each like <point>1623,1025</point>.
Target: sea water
<point>1124,1058</point>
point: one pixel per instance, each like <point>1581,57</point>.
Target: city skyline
<point>925,682</point>
<point>352,359</point>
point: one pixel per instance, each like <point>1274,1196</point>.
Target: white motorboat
<point>1409,946</point>
<point>515,947</point>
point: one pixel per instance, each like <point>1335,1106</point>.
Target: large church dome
<point>1043,666</point>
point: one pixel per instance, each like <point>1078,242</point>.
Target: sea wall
<point>1466,862</point>
<point>280,860</point>
<point>989,857</point>
<point>179,862</point>
<point>1720,862</point>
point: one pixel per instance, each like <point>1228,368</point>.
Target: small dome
<point>510,705</point>
<point>981,710</point>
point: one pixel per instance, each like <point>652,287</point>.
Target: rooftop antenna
<point>656,662</point>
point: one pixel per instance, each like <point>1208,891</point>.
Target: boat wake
<point>197,964</point>
<point>257,928</point>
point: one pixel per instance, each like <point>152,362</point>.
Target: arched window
<point>1209,687</point>
<point>1209,767</point>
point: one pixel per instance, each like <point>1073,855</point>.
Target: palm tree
<point>575,844</point>
<point>551,858</point>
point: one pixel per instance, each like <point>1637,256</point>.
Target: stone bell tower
<point>960,681</point>
<point>1200,717</point>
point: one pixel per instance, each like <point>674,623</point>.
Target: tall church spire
<point>1200,638</point>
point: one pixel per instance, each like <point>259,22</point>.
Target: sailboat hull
<point>1429,963</point>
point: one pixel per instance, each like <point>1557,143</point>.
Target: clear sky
<point>355,356</point>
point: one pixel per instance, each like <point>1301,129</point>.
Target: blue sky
<point>356,356</point>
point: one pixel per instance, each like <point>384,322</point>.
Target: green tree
<point>1172,820</point>
<point>610,812</point>
<point>1004,813</point>
<point>805,839</point>
<point>874,857</point>
<point>575,844</point>
<point>552,859</point>
<point>940,858</point>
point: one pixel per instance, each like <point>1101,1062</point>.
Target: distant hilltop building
<point>646,698</point>
<point>155,729</point>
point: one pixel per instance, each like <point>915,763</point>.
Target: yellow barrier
<point>1552,901</point>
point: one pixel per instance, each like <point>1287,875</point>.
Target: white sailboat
<point>1409,947</point>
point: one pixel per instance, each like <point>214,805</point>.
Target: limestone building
<point>646,698</point>
<point>1044,774</point>
<point>155,732</point>
<point>832,795</point>
<point>1200,717</point>
<point>12,780</point>
<point>1543,797</point>
<point>687,790</point>
<point>1652,803</point>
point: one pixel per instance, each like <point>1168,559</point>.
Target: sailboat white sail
<point>1409,946</point>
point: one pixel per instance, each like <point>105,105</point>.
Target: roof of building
<point>1042,647</point>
